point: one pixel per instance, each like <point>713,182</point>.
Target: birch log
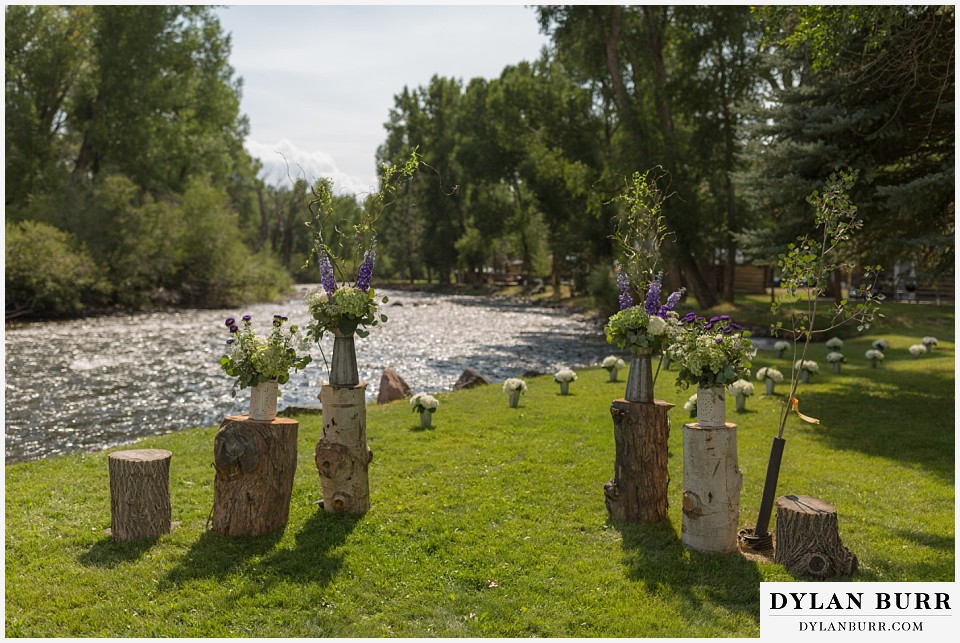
<point>711,488</point>
<point>638,490</point>
<point>342,455</point>
<point>255,462</point>
<point>139,494</point>
<point>808,539</point>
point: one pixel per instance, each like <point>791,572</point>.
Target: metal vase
<point>836,368</point>
<point>343,366</point>
<point>425,419</point>
<point>263,401</point>
<point>769,384</point>
<point>640,377</point>
<point>711,407</point>
<point>741,402</point>
<point>564,388</point>
<point>514,399</point>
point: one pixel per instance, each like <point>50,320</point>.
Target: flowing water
<point>95,383</point>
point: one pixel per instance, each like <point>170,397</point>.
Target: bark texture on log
<point>139,494</point>
<point>711,488</point>
<point>342,455</point>
<point>638,490</point>
<point>255,462</point>
<point>808,539</point>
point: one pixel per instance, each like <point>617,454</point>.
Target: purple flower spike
<point>230,322</point>
<point>327,279</point>
<point>623,284</point>
<point>653,297</point>
<point>672,301</point>
<point>365,273</point>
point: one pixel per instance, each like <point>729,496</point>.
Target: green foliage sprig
<point>807,266</point>
<point>640,228</point>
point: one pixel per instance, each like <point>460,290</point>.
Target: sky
<point>319,81</point>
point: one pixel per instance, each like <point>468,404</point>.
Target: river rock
<point>470,378</point>
<point>392,387</point>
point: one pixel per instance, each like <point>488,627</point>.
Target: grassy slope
<point>493,523</point>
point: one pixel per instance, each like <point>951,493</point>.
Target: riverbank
<point>492,523</point>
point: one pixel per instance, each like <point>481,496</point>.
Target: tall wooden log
<point>638,490</point>
<point>342,455</point>
<point>139,494</point>
<point>808,539</point>
<point>711,488</point>
<point>255,461</point>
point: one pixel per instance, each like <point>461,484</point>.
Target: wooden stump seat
<point>808,539</point>
<point>139,494</point>
<point>255,461</point>
<point>638,490</point>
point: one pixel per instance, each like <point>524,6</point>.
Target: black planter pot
<point>761,539</point>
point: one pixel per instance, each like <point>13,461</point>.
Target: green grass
<point>492,523</point>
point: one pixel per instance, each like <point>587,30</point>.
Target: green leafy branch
<point>640,228</point>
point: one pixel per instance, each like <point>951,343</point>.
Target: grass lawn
<point>492,523</point>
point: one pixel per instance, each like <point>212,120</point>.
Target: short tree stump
<point>255,461</point>
<point>711,488</point>
<point>139,494</point>
<point>808,539</point>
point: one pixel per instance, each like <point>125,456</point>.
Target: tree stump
<point>638,490</point>
<point>808,539</point>
<point>711,488</point>
<point>255,461</point>
<point>342,455</point>
<point>139,494</point>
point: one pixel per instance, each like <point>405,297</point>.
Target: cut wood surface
<point>255,461</point>
<point>808,539</point>
<point>139,494</point>
<point>342,455</point>
<point>638,490</point>
<point>711,488</point>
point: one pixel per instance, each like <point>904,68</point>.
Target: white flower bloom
<point>836,356</point>
<point>874,354</point>
<point>834,343</point>
<point>929,341</point>
<point>656,326</point>
<point>514,384</point>
<point>781,345</point>
<point>564,375</point>
<point>769,372</point>
<point>422,402</point>
<point>917,349</point>
<point>742,387</point>
<point>806,365</point>
<point>691,404</point>
<point>881,344</point>
<point>612,361</point>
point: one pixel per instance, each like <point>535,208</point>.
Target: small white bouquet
<point>563,377</point>
<point>929,343</point>
<point>836,358</point>
<point>691,405</point>
<point>834,343</point>
<point>741,389</point>
<point>426,406</point>
<point>917,350</point>
<point>770,377</point>
<point>875,356</point>
<point>805,368</point>
<point>515,387</point>
<point>613,364</point>
<point>880,345</point>
<point>781,347</point>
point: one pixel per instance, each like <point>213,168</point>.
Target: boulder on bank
<point>392,387</point>
<point>470,378</point>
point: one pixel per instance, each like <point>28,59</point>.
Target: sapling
<point>806,267</point>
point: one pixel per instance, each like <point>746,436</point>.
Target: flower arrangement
<point>835,356</point>
<point>875,356</point>
<point>423,403</point>
<point>834,343</point>
<point>613,362</point>
<point>515,387</point>
<point>742,387</point>
<point>712,352</point>
<point>880,345</point>
<point>691,405</point>
<point>648,328</point>
<point>917,350</point>
<point>770,378</point>
<point>254,359</point>
<point>564,376</point>
<point>781,346</point>
<point>929,343</point>
<point>805,369</point>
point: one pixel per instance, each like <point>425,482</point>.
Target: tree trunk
<point>638,490</point>
<point>711,488</point>
<point>139,494</point>
<point>808,539</point>
<point>342,455</point>
<point>255,462</point>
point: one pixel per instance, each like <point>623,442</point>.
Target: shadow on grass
<point>109,553</point>
<point>655,556</point>
<point>420,429</point>
<point>215,555</point>
<point>314,558</point>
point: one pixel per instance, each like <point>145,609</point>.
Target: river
<point>89,384</point>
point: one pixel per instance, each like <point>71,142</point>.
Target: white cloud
<point>283,163</point>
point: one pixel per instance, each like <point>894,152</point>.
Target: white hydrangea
<point>612,361</point>
<point>742,387</point>
<point>806,365</point>
<point>781,345</point>
<point>874,354</point>
<point>771,373</point>
<point>929,341</point>
<point>691,404</point>
<point>514,384</point>
<point>656,326</point>
<point>422,402</point>
<point>834,343</point>
<point>564,375</point>
<point>917,350</point>
<point>836,356</point>
<point>881,344</point>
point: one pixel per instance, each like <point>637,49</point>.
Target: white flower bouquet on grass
<point>563,377</point>
<point>929,343</point>
<point>741,389</point>
<point>770,377</point>
<point>917,350</point>
<point>514,387</point>
<point>875,356</point>
<point>836,358</point>
<point>806,368</point>
<point>834,343</point>
<point>612,364</point>
<point>426,406</point>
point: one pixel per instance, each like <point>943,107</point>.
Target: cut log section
<point>139,494</point>
<point>342,455</point>
<point>638,490</point>
<point>255,461</point>
<point>711,488</point>
<point>808,539</point>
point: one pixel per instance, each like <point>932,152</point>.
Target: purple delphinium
<point>234,329</point>
<point>672,301</point>
<point>653,297</point>
<point>623,284</point>
<point>230,321</point>
<point>247,318</point>
<point>365,273</point>
<point>327,279</point>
